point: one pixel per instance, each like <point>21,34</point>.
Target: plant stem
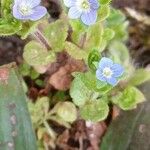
<point>50,130</point>
<point>40,37</point>
<point>82,41</point>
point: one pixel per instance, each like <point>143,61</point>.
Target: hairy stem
<point>82,41</point>
<point>40,37</point>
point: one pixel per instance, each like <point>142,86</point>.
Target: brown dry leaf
<point>62,78</point>
<point>82,136</point>
<point>139,16</point>
<point>115,112</point>
<point>95,131</point>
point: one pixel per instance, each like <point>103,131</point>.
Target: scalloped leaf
<point>74,51</point>
<point>79,92</point>
<point>67,111</point>
<point>129,98</point>
<point>95,111</point>
<point>9,27</point>
<point>56,33</point>
<point>36,55</point>
<point>103,12</point>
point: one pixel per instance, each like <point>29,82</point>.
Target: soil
<point>83,135</point>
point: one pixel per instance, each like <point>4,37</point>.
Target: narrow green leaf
<point>16,131</point>
<point>130,131</point>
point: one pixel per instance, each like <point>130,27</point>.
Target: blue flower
<point>108,71</point>
<point>84,9</point>
<point>28,10</point>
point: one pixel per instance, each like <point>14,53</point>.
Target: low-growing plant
<point>87,30</point>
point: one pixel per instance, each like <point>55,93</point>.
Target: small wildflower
<point>86,10</point>
<point>28,10</point>
<point>108,71</point>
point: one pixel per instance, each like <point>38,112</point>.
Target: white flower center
<point>25,9</point>
<point>83,5</point>
<point>107,72</point>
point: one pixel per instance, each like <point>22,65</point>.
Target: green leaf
<point>129,98</point>
<point>116,17</point>
<point>74,51</point>
<point>117,22</point>
<point>130,131</point>
<point>94,57</point>
<point>36,55</point>
<point>41,107</point>
<point>5,8</point>
<point>93,37</point>
<point>139,76</point>
<point>34,75</point>
<point>89,80</point>
<point>103,45</point>
<point>39,82</point>
<point>9,27</point>
<point>79,92</point>
<point>108,34</point>
<point>103,87</point>
<point>78,31</point>
<point>56,33</point>
<point>24,69</point>
<point>27,29</point>
<point>95,111</point>
<point>120,54</point>
<point>8,24</point>
<point>16,130</point>
<point>67,111</point>
<point>103,12</point>
<point>104,2</point>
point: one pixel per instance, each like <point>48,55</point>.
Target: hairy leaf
<point>56,33</point>
<point>95,111</point>
<point>139,76</point>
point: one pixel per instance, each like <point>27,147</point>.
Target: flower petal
<point>100,76</point>
<point>94,4</point>
<point>69,3</point>
<point>105,62</point>
<point>74,13</point>
<point>118,70</point>
<point>38,13</point>
<point>17,14</point>
<point>34,3</point>
<point>90,17</point>
<point>112,81</point>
